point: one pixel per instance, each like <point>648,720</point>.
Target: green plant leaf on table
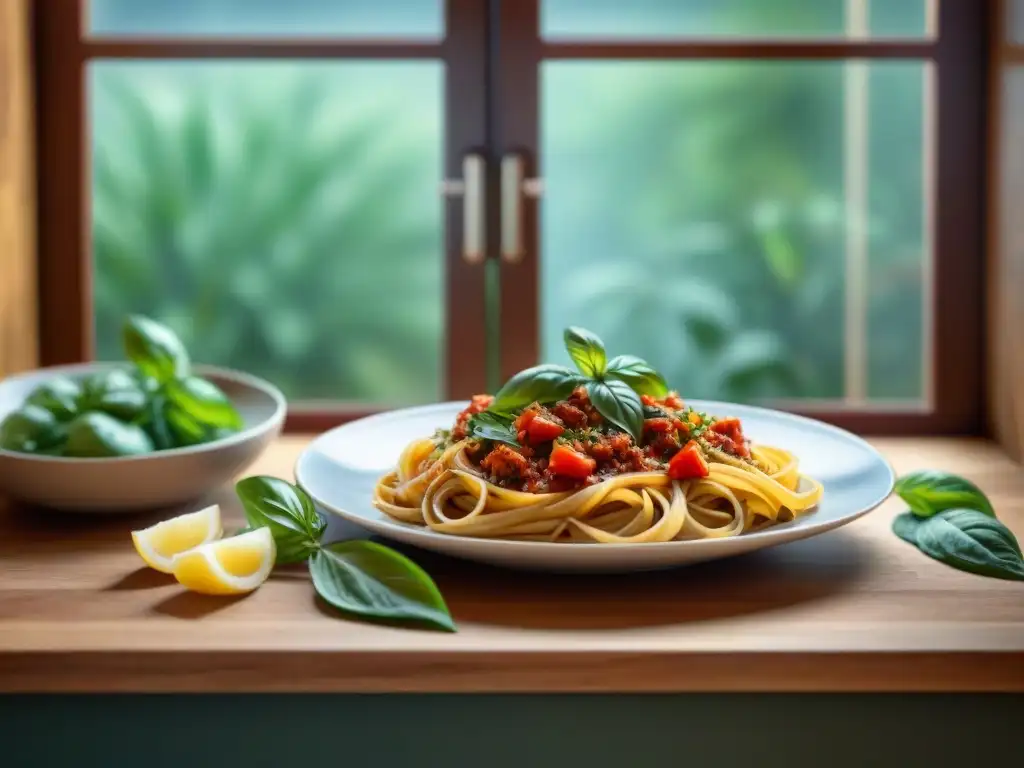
<point>204,402</point>
<point>369,579</point>
<point>542,383</point>
<point>905,526</point>
<point>972,541</point>
<point>99,435</point>
<point>60,396</point>
<point>31,429</point>
<point>155,349</point>
<point>618,403</point>
<point>929,492</point>
<point>638,374</point>
<point>586,350</point>
<point>287,511</point>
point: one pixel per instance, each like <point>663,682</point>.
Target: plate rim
<point>766,536</point>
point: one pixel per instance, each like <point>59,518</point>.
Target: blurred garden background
<point>284,216</point>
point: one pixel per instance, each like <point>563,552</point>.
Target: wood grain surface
<point>851,610</point>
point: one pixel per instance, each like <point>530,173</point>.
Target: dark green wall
<point>497,731</point>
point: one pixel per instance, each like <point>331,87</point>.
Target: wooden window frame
<point>63,49</point>
<point>492,107</point>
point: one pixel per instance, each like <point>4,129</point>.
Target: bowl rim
<point>238,377</point>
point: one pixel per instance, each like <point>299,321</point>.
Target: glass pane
<point>703,215</point>
<point>282,217</point>
<point>273,18</point>
<point>731,18</point>
<point>1015,20</point>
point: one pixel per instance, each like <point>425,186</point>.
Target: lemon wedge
<point>158,544</point>
<point>228,566</point>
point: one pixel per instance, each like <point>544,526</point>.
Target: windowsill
<point>855,609</point>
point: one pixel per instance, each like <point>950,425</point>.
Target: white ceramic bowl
<point>150,481</point>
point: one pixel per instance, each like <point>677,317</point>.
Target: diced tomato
<point>523,419</point>
<point>569,463</point>
<point>658,425</point>
<point>728,427</point>
<point>674,401</point>
<point>541,430</point>
<point>648,400</point>
<point>688,463</point>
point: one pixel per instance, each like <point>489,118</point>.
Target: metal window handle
<point>471,187</point>
<point>513,188</point>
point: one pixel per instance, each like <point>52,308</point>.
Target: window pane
<point>703,215</point>
<point>275,18</point>
<point>282,217</point>
<point>1015,20</point>
<point>731,18</point>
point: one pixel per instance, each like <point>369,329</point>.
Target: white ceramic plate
<point>340,468</point>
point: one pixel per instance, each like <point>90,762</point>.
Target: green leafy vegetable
<point>368,579</point>
<point>492,426</point>
<point>972,541</point>
<point>116,393</point>
<point>929,492</point>
<point>99,435</point>
<point>619,404</point>
<point>204,402</point>
<point>30,429</point>
<point>155,349</point>
<point>905,526</point>
<point>542,384</point>
<point>287,511</point>
<point>60,396</point>
<point>586,350</point>
<point>155,423</point>
<point>185,429</point>
<point>638,374</point>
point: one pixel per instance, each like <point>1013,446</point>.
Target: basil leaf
<point>586,350</point>
<point>31,429</point>
<point>638,374</point>
<point>542,384</point>
<point>185,429</point>
<point>59,396</point>
<point>99,435</point>
<point>155,423</point>
<point>905,526</point>
<point>930,491</point>
<point>619,404</point>
<point>368,579</point>
<point>287,511</point>
<point>203,401</point>
<point>155,349</point>
<point>972,541</point>
<point>114,392</point>
<point>492,426</point>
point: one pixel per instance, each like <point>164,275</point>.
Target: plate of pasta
<point>602,468</point>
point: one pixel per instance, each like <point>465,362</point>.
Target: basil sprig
<point>619,404</point>
<point>492,426</point>
<point>541,384</point>
<point>614,386</point>
<point>952,521</point>
<point>586,350</point>
<point>357,577</point>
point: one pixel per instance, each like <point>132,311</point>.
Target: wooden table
<point>852,610</point>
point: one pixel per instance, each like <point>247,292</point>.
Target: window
<point>770,201</point>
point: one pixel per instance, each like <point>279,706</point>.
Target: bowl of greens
<point>153,432</point>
